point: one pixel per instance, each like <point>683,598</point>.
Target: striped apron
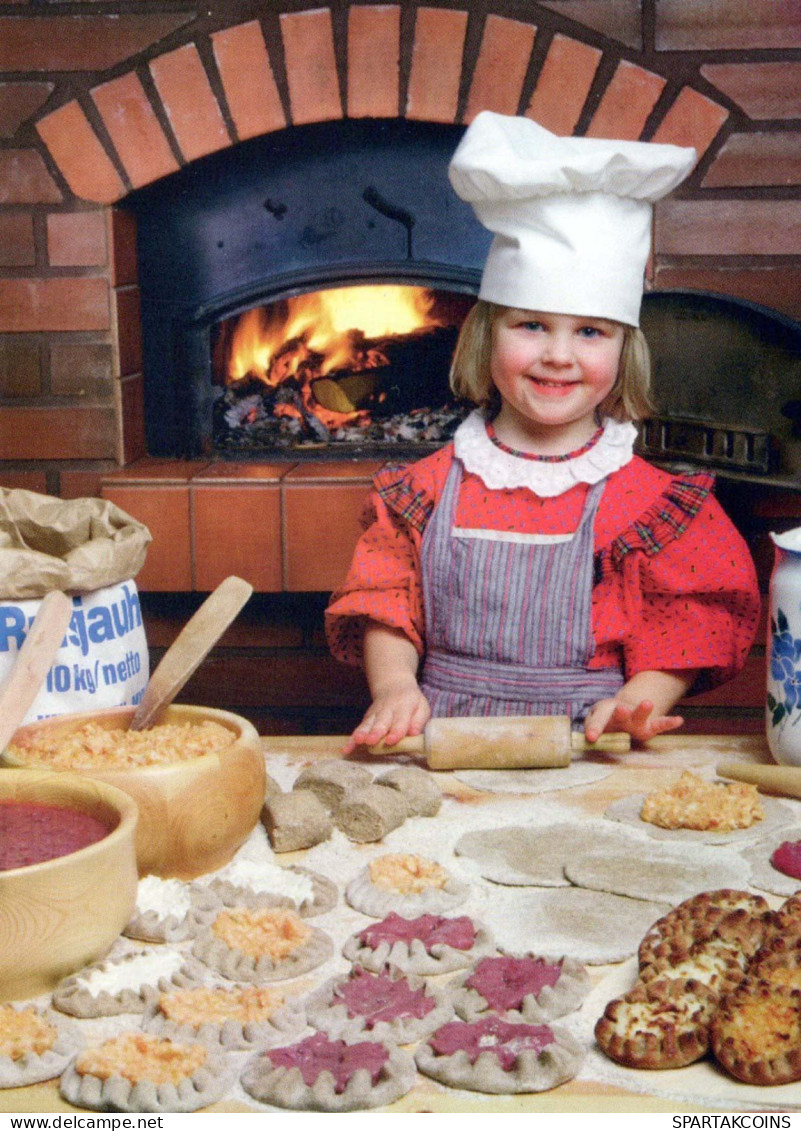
<point>508,617</point>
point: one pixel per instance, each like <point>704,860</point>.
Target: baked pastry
<point>422,794</point>
<point>387,1006</point>
<point>523,988</point>
<point>170,910</point>
<point>295,820</point>
<point>234,1017</point>
<point>325,1074</point>
<point>756,1033</point>
<point>428,944</point>
<point>124,985</point>
<point>778,965</point>
<point>331,780</point>
<point>261,944</point>
<point>369,813</point>
<point>35,1045</point>
<point>736,917</point>
<point>136,1072</point>
<point>662,1024</point>
<point>497,1056</point>
<point>257,883</point>
<point>714,962</point>
<point>406,883</point>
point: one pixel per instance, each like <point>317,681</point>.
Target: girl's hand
<point>639,720</point>
<point>397,711</point>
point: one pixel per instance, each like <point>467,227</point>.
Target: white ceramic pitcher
<point>783,705</point>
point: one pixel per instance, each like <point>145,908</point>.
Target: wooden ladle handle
<point>190,647</point>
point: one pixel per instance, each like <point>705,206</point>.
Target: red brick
<point>24,179</point>
<point>563,84</point>
<point>147,472</point>
<point>66,433</point>
<point>433,93</point>
<point>79,369</point>
<point>293,680</point>
<point>24,481</point>
<point>374,61</point>
<point>76,239</point>
<point>17,248</point>
<point>54,304</point>
<point>165,512</point>
<point>728,227</point>
<point>19,101</point>
<point>134,129</point>
<point>228,538</point>
<point>774,285</point>
<point>311,66</point>
<point>501,67</point>
<point>693,119</point>
<point>20,366</point>
<point>129,329</point>
<point>79,43</point>
<point>79,154</point>
<point>736,25</point>
<point>757,159</point>
<point>189,101</point>
<point>122,238</point>
<point>621,20</point>
<point>79,484</point>
<point>248,80</point>
<point>763,90</point>
<point>322,528</point>
<point>132,405</point>
<point>626,103</point>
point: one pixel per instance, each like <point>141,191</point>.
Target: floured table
<point>579,798</point>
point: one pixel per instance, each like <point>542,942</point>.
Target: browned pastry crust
<point>784,924</point>
<point>715,962</point>
<point>664,1024</point>
<point>756,1033</point>
<point>779,965</point>
<point>736,917</point>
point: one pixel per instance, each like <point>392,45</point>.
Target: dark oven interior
<point>302,294</point>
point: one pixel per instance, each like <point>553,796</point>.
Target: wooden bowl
<point>193,815</point>
<point>58,915</point>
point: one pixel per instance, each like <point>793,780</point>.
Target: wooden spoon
<point>39,648</point>
<point>190,647</point>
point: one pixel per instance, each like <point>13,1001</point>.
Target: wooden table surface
<point>641,770</point>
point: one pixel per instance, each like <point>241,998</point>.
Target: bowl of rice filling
<point>197,776</point>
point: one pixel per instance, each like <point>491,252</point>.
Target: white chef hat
<point>571,215</point>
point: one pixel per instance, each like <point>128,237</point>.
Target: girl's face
<point>552,371</point>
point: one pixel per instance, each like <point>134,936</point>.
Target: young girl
<point>535,565</point>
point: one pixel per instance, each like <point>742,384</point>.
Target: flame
<point>328,329</point>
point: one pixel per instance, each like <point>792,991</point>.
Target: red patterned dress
<point>674,587</point>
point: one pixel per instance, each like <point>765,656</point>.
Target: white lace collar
<point>500,469</point>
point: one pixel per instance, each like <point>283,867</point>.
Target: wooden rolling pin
<point>500,743</point>
<point>785,780</point>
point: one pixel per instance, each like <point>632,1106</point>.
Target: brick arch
<point>438,84</point>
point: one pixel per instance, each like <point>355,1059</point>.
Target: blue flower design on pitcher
<point>785,653</point>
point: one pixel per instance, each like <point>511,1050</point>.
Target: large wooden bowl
<point>192,815</point>
<point>57,916</point>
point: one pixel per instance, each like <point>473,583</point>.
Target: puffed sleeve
<point>689,587</point>
<point>383,583</point>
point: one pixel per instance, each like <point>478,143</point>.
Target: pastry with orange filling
<point>261,944</point>
<point>236,1017</point>
<point>694,803</point>
<point>756,1033</point>
<point>405,883</point>
<point>34,1046</point>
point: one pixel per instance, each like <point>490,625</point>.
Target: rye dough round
<point>662,873</point>
<point>627,810</point>
<point>535,780</point>
<point>763,875</point>
<point>593,927</point>
<point>526,856</point>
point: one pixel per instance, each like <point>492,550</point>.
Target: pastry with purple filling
<point>428,944</point>
<point>386,1005</point>
<point>325,1074</point>
<point>498,1056</point>
<point>523,988</point>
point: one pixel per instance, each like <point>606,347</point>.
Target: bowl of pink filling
<point>68,876</point>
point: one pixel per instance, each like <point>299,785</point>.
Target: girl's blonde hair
<point>629,398</point>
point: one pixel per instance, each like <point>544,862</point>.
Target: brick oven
<point>116,125</point>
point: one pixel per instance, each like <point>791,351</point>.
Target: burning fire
<point>323,332</point>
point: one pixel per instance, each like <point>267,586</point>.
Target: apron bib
<point>509,617</point>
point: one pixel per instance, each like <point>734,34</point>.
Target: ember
<point>365,366</point>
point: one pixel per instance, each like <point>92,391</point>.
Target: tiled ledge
<point>287,527</point>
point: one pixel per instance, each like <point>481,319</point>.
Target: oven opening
<point>362,369</point>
